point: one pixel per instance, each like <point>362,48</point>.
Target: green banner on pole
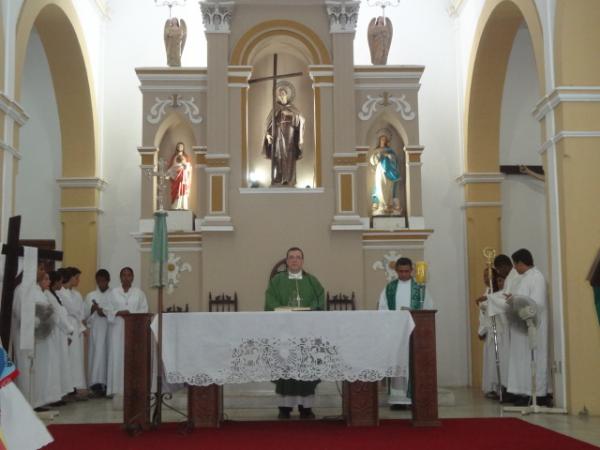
<point>160,250</point>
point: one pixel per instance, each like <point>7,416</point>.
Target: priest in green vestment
<point>403,293</point>
<point>297,289</point>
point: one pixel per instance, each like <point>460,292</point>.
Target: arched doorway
<point>497,33</point>
<point>61,35</point>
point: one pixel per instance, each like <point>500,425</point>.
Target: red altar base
<point>454,434</point>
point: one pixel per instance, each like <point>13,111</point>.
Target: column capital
<point>216,16</point>
<point>343,15</point>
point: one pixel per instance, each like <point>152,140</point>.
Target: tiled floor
<point>259,403</point>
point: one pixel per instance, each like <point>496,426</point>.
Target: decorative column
<point>10,155</point>
<point>414,199</point>
<point>342,26</point>
<point>80,207</point>
<point>217,17</point>
<point>149,158</point>
<point>483,213</point>
<point>346,180</point>
<point>238,77</point>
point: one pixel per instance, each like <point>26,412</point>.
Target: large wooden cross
<point>12,249</point>
<point>275,77</point>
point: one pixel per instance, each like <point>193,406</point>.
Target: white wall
<point>524,199</point>
<point>414,43</point>
<point>37,194</point>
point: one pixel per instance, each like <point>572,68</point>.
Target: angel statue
<point>175,35</point>
<point>380,38</point>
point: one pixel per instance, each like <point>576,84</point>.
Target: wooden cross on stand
<point>275,77</point>
<point>13,249</point>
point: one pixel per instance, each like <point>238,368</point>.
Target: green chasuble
<point>415,294</point>
<point>281,289</point>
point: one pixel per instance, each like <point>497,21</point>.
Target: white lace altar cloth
<point>240,347</point>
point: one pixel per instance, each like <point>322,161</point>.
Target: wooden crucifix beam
<point>516,169</point>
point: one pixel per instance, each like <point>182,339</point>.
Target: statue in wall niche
<point>380,39</point>
<point>283,139</point>
<point>175,36</point>
<point>180,175</point>
<point>384,161</point>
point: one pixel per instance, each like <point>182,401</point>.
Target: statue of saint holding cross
<point>284,137</point>
<point>284,133</point>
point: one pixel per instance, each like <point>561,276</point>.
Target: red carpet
<point>454,434</point>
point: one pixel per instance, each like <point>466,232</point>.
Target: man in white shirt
<point>530,283</point>
<point>402,293</point>
<point>94,305</point>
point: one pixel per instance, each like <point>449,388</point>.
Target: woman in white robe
<point>46,365</point>
<point>125,299</point>
<point>74,306</point>
<point>63,332</point>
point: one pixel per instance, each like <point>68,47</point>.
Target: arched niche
<point>173,129</point>
<point>298,48</point>
<point>386,123</point>
<point>289,60</point>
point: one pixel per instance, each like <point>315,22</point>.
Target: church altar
<point>201,349</point>
<point>207,350</point>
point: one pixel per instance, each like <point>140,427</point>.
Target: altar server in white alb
<point>530,283</point>
<point>125,299</point>
<point>94,305</point>
<point>62,334</point>
<point>402,293</point>
<point>71,300</point>
<point>493,305</point>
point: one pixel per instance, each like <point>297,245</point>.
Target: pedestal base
<point>389,223</point>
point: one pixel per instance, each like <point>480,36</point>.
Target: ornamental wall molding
<point>371,104</point>
<point>343,16</point>
<point>564,94</point>
<point>216,16</point>
<point>387,264</point>
<point>565,135</point>
<point>82,182</point>
<point>480,177</point>
<point>175,267</point>
<point>188,106</point>
<point>10,149</point>
<point>13,109</point>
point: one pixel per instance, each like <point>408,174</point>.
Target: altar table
<point>208,350</point>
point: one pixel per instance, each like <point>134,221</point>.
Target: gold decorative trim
<point>218,162</point>
<point>216,194</point>
<point>348,161</point>
<point>408,235</point>
<point>346,197</point>
<point>318,137</point>
<point>240,53</point>
<point>244,139</point>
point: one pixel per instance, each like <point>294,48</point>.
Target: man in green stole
<point>403,293</point>
<point>295,288</point>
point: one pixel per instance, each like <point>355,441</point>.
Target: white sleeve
<point>142,303</point>
<point>383,306</point>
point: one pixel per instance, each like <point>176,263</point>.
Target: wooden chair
<point>280,266</point>
<point>341,302</point>
<point>177,309</point>
<point>223,303</point>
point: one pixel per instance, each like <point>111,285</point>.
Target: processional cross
<point>12,249</point>
<point>275,77</point>
<point>162,180</point>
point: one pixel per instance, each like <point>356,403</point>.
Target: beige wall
<point>577,43</point>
